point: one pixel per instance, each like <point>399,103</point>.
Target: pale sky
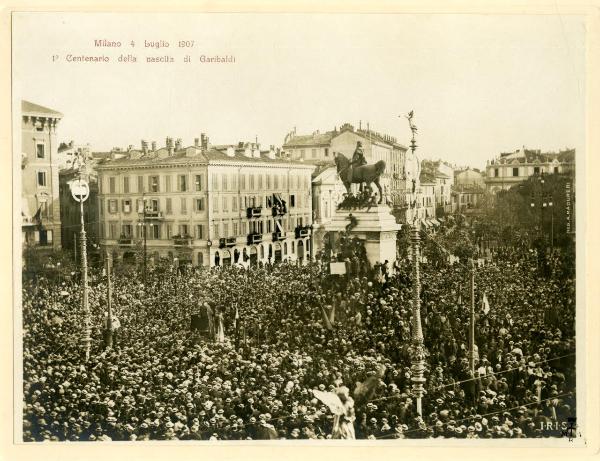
<point>479,85</point>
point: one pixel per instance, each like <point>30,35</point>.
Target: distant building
<point>469,177</point>
<point>68,153</point>
<point>426,207</point>
<point>327,192</point>
<point>39,177</point>
<point>467,198</point>
<point>443,174</point>
<point>511,168</point>
<point>205,205</point>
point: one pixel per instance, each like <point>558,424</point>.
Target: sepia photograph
<point>240,227</point>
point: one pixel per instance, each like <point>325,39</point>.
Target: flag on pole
<point>331,400</point>
<point>327,323</point>
<point>486,304</point>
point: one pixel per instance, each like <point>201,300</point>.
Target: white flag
<point>331,400</point>
<point>486,304</point>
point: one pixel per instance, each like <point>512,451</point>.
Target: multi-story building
<point>70,212</point>
<point>206,205</point>
<point>327,192</point>
<point>426,208</point>
<point>39,177</point>
<point>320,148</point>
<point>443,175</point>
<point>511,168</point>
<point>469,177</point>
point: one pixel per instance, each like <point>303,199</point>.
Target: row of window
<point>515,171</point>
<point>225,182</point>
<point>221,256</point>
<point>313,153</point>
<point>156,231</point>
<point>225,204</point>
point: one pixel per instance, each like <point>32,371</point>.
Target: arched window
<point>200,259</point>
<point>262,252</point>
<point>285,248</point>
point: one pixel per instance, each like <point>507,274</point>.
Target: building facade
<point>206,205</point>
<point>511,168</point>
<point>39,177</point>
<point>70,211</point>
<point>469,177</point>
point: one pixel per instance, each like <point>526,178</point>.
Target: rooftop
<point>322,139</point>
<point>536,155</point>
<point>192,154</point>
<point>29,108</point>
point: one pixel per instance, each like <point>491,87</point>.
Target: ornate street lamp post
<point>80,191</point>
<point>417,348</point>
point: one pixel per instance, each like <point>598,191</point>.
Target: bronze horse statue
<point>361,174</point>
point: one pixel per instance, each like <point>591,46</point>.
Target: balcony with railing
<point>182,240</point>
<point>227,242</point>
<point>125,240</point>
<point>302,231</point>
<point>254,237</point>
<point>278,236</point>
<point>152,215</point>
<point>254,212</point>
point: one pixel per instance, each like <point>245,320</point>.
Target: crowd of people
<point>292,329</point>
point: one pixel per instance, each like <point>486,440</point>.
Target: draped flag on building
<point>485,304</point>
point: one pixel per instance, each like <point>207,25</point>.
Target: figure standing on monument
<point>358,159</point>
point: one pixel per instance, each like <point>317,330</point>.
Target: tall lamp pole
<point>472,318</point>
<point>417,347</point>
<point>143,226</point>
<point>80,191</point>
<point>109,320</point>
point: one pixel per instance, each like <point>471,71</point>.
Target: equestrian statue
<point>356,171</point>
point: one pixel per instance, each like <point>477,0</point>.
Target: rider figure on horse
<point>358,159</point>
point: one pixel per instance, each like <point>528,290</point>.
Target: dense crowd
<point>298,329</point>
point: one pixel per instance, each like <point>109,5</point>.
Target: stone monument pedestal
<point>376,227</point>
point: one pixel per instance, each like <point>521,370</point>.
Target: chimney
<point>178,144</point>
<point>169,145</point>
<point>153,146</point>
<point>196,142</point>
<point>230,151</point>
<point>130,147</point>
<point>144,146</point>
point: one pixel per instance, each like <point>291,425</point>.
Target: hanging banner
<point>337,268</point>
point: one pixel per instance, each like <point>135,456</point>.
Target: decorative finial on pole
<point>413,128</point>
